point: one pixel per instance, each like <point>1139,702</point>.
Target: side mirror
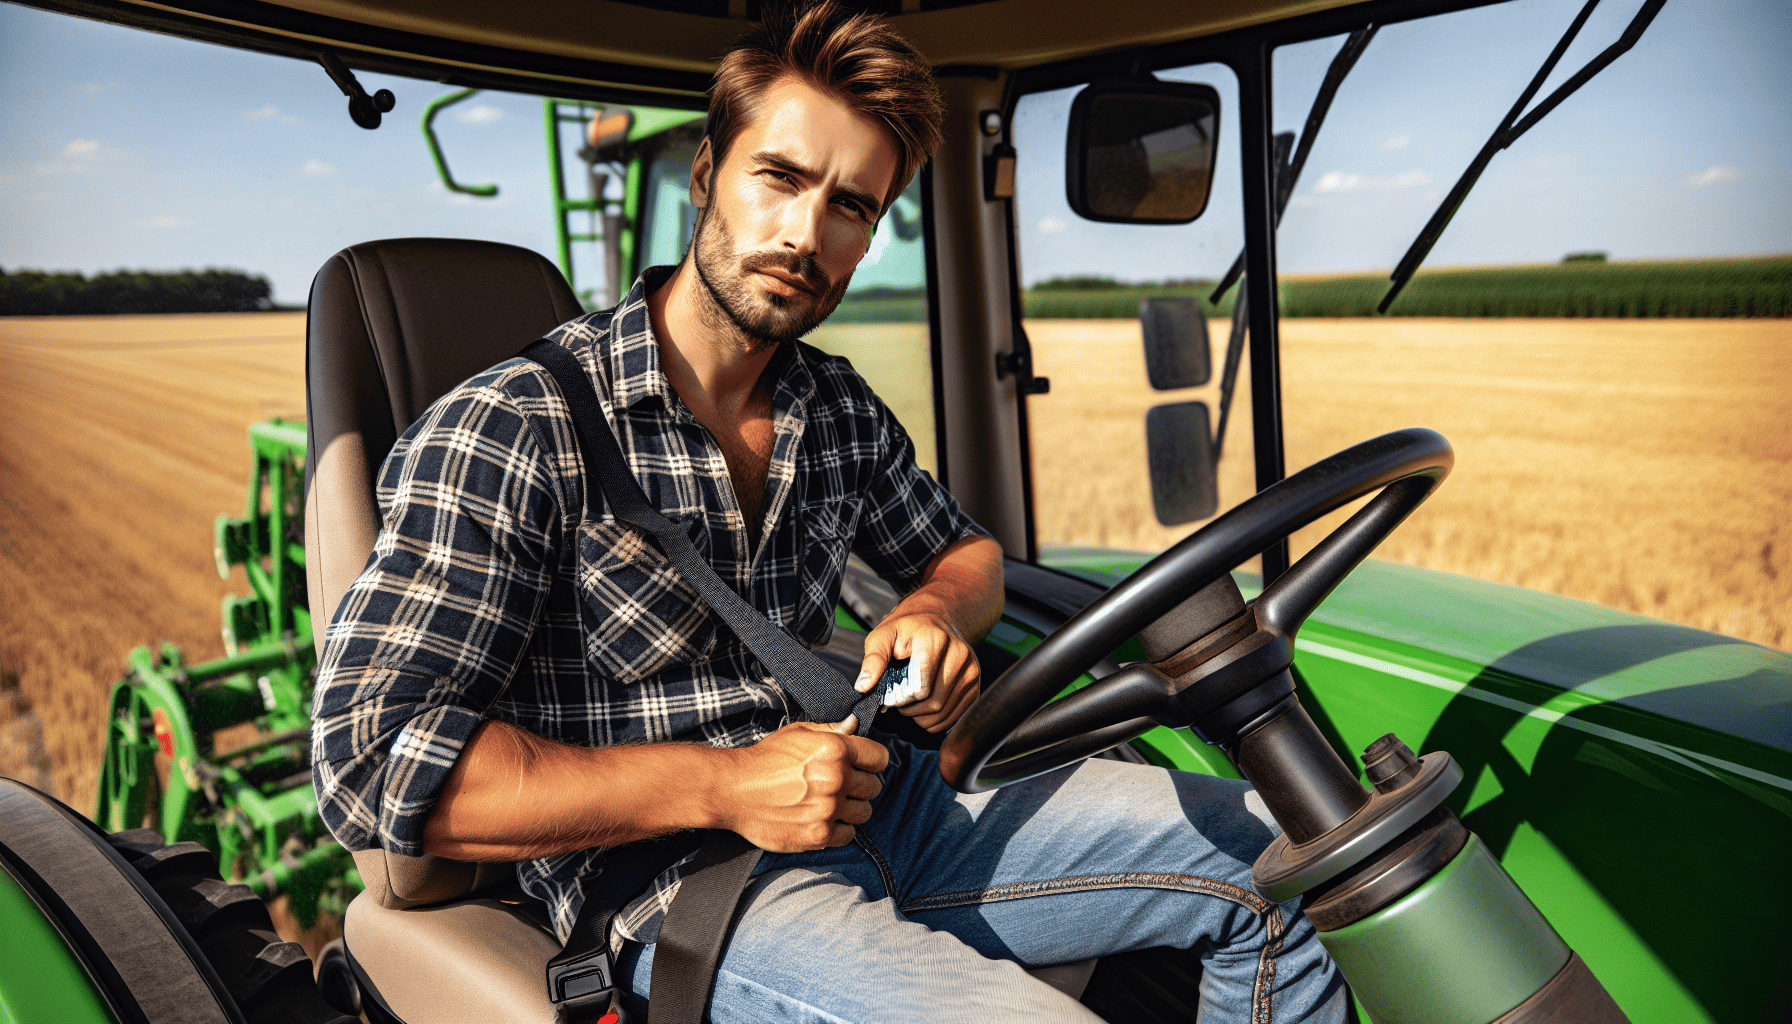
<point>1176,346</point>
<point>1141,151</point>
<point>1179,451</point>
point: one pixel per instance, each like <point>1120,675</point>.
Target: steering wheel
<point>1215,664</point>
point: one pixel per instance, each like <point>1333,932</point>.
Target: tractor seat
<point>392,326</point>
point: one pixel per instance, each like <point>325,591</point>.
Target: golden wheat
<point>1641,464</point>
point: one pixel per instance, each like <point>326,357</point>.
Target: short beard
<point>757,322</point>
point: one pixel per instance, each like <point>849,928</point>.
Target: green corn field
<point>1582,288</point>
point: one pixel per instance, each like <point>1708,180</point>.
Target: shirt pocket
<point>641,616</point>
<point>825,532</point>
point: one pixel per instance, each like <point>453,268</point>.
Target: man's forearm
<point>963,586</point>
<point>516,796</point>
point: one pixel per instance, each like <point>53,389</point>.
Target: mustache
<point>804,268</point>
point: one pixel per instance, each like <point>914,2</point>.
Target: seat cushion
<point>470,962</point>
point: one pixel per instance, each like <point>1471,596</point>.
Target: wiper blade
<point>1288,171</point>
<point>1511,127</point>
<point>1241,320</point>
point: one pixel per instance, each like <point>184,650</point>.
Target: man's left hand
<point>941,665</point>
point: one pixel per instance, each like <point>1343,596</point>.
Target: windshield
<point>1083,284</point>
<point>1600,330</point>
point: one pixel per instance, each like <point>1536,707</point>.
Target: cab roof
<point>660,51</point>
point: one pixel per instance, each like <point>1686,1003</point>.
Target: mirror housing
<point>1179,451</point>
<point>1141,151</point>
<point>1177,350</point>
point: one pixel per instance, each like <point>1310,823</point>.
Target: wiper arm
<point>1241,312</point>
<point>1512,127</point>
<point>1288,171</point>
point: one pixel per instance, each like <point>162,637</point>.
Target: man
<point>509,680</point>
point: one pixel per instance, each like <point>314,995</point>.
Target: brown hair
<point>854,57</point>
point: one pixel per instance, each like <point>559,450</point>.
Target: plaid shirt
<point>490,594</point>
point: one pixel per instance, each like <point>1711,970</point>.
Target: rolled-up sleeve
<point>430,633</point>
<point>907,517</point>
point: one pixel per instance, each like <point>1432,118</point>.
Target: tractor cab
<point>1479,785</point>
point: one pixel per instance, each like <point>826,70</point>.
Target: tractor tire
<point>269,978</point>
<point>162,937</point>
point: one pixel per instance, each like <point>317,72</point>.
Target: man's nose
<point>803,222</point>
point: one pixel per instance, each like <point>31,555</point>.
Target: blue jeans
<point>943,899</point>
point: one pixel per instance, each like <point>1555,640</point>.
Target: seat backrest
<point>391,327</point>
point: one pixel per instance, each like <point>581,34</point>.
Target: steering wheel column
<point>1425,924</point>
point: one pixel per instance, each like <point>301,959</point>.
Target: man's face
<point>791,210</point>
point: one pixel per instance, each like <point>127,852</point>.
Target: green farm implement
<point>218,752</point>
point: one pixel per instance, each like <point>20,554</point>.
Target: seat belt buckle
<point>582,986</point>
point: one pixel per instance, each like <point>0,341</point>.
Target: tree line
<point>213,290</point>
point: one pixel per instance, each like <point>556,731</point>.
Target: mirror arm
<point>1511,128</point>
<point>363,109</point>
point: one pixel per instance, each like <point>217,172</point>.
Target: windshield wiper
<point>1512,127</point>
<point>1287,170</point>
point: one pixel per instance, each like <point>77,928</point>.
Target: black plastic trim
<point>935,351</point>
<point>279,31</point>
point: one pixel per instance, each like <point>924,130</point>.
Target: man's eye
<point>857,208</point>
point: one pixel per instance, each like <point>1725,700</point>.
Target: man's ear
<point>702,171</point>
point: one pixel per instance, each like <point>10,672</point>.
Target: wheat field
<point>1641,464</point>
<point>1645,465</point>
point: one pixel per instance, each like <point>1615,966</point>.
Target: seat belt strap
<point>823,694</point>
<point>582,978</point>
<point>696,929</point>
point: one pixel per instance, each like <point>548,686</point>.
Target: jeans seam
<point>1262,1011</point>
<point>884,873</point>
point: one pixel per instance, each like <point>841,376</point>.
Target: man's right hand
<point>804,787</point>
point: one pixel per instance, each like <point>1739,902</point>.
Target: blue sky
<point>127,149</point>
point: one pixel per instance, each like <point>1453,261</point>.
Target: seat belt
<point>582,977</point>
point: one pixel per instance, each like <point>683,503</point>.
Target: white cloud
<point>1338,181</point>
<point>77,155</point>
<point>1718,175</point>
<point>1052,225</point>
<point>1397,142</point>
<point>289,119</point>
<point>1350,181</point>
<point>92,87</point>
<point>317,168</point>
<point>261,113</point>
<point>160,222</point>
<point>479,114</point>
